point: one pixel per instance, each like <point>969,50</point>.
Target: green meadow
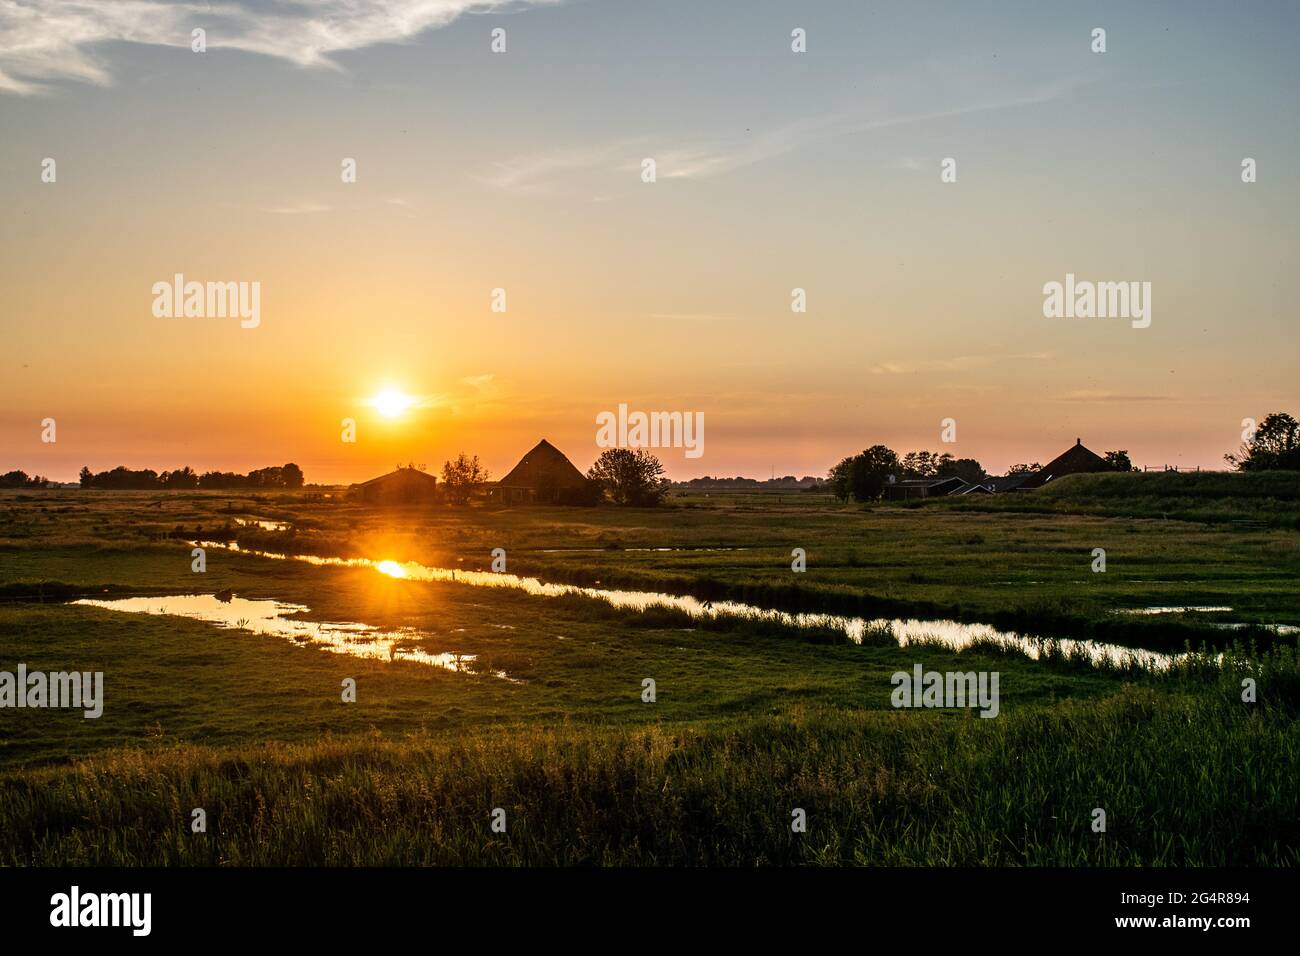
<point>752,719</point>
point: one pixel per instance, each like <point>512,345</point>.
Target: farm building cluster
<point>1078,459</point>
<point>545,476</point>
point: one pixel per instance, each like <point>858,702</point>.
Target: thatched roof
<point>1074,460</point>
<point>545,467</point>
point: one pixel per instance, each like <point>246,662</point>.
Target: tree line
<point>786,482</point>
<point>281,477</point>
<point>20,479</point>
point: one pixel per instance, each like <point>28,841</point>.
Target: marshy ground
<point>752,719</point>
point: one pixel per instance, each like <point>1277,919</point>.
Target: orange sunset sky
<point>522,171</point>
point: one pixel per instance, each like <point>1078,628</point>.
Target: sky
<point>522,170</point>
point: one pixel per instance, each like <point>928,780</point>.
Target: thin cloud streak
<point>957,363</point>
<point>691,317</point>
<point>536,173</point>
<point>298,209</point>
<point>701,163</point>
<point>1089,396</point>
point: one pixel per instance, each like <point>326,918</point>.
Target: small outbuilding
<point>403,486</point>
<point>1008,482</point>
<point>922,487</point>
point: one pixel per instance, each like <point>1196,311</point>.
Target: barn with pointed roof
<point>543,476</point>
<point>1077,459</point>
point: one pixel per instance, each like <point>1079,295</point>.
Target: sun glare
<point>391,403</point>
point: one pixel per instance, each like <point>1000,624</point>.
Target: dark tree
<point>181,478</point>
<point>871,471</point>
<point>122,478</point>
<point>967,469</point>
<point>630,477</point>
<point>1275,446</point>
<point>840,479</point>
<point>461,477</point>
<point>291,475</point>
<point>1119,461</point>
<point>221,479</point>
<point>922,464</point>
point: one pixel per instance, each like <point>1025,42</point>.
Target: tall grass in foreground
<point>1187,774</point>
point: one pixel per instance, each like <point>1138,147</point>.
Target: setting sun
<point>391,403</point>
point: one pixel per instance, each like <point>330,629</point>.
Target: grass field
<point>752,719</point>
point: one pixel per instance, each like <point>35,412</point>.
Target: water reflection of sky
<point>275,618</point>
<point>952,634</point>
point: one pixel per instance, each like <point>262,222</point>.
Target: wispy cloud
<point>691,317</point>
<point>536,173</point>
<point>55,39</point>
<point>297,209</point>
<point>1094,395</point>
<point>702,160</point>
<point>957,363</point>
<point>539,173</point>
<point>310,206</point>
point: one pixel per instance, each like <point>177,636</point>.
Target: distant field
<point>1259,499</point>
<point>751,718</point>
<point>1026,569</point>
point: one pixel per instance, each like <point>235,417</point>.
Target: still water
<point>277,619</point>
<point>952,634</point>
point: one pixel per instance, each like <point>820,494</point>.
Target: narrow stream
<point>952,634</point>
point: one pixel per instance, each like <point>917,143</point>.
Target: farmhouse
<point>403,486</point>
<point>1074,461</point>
<point>543,476</point>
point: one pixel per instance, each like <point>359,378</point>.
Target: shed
<point>403,486</point>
